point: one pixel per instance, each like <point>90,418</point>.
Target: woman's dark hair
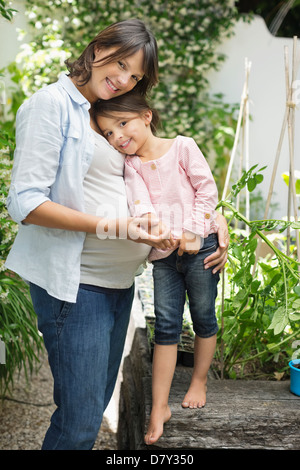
<point>131,102</point>
<point>129,36</point>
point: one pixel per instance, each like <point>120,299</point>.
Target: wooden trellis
<point>289,125</point>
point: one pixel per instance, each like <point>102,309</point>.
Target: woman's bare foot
<point>158,417</point>
<point>196,395</point>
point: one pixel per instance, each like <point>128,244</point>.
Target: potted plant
<point>295,376</point>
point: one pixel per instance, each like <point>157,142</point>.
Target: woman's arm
<point>137,229</point>
<point>53,215</point>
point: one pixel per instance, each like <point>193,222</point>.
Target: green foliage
<point>5,11</point>
<point>18,328</point>
<point>187,34</point>
<point>261,316</point>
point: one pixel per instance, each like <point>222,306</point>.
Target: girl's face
<point>127,132</point>
<point>115,78</point>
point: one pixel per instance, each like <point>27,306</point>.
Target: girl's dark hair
<point>131,102</point>
<point>129,36</point>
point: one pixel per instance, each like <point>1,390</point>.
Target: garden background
<point>203,45</point>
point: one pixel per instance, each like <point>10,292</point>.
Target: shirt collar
<point>71,89</point>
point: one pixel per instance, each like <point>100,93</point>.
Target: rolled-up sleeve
<point>39,142</point>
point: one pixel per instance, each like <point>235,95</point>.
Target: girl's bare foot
<point>159,416</point>
<point>196,395</point>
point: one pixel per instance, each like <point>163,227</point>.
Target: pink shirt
<point>178,187</point>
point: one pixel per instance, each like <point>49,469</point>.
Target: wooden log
<point>239,414</point>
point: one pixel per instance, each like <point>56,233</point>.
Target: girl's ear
<point>147,117</point>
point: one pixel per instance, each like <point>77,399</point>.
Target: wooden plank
<point>239,414</point>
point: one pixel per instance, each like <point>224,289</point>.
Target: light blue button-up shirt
<point>54,149</point>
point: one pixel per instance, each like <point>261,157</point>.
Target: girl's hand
<point>218,259</point>
<point>158,230</point>
<point>151,231</point>
<point>189,243</point>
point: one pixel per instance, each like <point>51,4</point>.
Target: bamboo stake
<point>247,149</point>
<point>291,134</point>
<point>287,82</point>
<point>243,113</point>
<point>288,121</point>
<point>222,320</point>
<point>243,101</point>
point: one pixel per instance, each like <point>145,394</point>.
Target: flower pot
<point>295,376</point>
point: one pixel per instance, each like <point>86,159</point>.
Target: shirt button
<point>207,216</point>
<point>137,202</point>
<point>153,166</point>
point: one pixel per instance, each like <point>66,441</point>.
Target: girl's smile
<point>125,144</point>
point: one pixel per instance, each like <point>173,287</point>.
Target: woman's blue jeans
<point>85,342</point>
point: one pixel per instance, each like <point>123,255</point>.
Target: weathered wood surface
<point>238,414</point>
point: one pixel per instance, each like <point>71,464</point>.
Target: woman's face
<point>115,78</point>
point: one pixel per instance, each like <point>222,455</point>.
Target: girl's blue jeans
<point>174,278</point>
<point>85,342</point>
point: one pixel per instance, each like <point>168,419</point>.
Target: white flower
<point>31,15</point>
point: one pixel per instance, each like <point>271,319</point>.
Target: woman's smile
<point>111,86</point>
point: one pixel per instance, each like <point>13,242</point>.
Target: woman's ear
<point>97,52</point>
<point>147,117</point>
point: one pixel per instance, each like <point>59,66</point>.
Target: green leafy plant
<point>261,314</point>
<point>5,11</point>
<point>286,179</point>
<point>18,329</point>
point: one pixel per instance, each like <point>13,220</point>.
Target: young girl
<point>170,178</point>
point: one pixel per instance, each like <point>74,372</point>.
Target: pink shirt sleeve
<point>138,197</point>
<point>202,218</point>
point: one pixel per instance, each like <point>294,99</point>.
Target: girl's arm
<point>206,198</point>
<point>202,218</point>
<point>140,205</point>
<point>219,258</point>
<point>138,197</point>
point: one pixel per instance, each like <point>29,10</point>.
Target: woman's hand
<point>219,257</point>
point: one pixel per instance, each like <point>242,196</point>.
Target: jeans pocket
<point>61,312</point>
<point>211,248</point>
<point>210,243</point>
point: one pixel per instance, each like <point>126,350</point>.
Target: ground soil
<point>25,414</point>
